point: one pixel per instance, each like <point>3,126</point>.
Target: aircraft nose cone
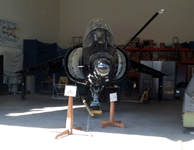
<point>102,67</point>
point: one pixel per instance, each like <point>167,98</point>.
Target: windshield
<point>98,31</point>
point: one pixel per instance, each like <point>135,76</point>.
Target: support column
<point>69,120</point>
<point>112,122</point>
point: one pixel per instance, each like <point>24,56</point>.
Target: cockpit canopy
<point>99,32</point>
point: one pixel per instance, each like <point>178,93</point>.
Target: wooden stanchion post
<point>112,115</point>
<point>69,120</point>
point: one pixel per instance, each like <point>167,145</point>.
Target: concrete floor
<point>34,123</point>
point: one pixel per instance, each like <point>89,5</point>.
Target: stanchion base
<point>67,132</point>
<point>62,134</point>
<point>115,123</point>
<point>77,128</point>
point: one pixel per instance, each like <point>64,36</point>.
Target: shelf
<point>158,49</point>
<point>186,62</point>
<point>172,54</point>
<point>133,75</point>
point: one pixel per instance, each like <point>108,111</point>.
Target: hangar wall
<point>39,19</point>
<point>127,17</point>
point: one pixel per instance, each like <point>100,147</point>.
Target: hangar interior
<point>35,32</point>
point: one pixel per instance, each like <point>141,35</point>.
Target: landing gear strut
<point>95,94</point>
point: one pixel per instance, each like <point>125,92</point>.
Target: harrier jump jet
<point>98,62</point>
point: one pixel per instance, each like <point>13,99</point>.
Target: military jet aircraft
<point>98,62</point>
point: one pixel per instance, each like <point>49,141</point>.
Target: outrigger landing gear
<point>23,93</point>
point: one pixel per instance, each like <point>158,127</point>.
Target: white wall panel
<point>126,17</point>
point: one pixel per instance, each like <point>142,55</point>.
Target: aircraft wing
<point>54,65</point>
<point>145,69</point>
<point>124,66</point>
